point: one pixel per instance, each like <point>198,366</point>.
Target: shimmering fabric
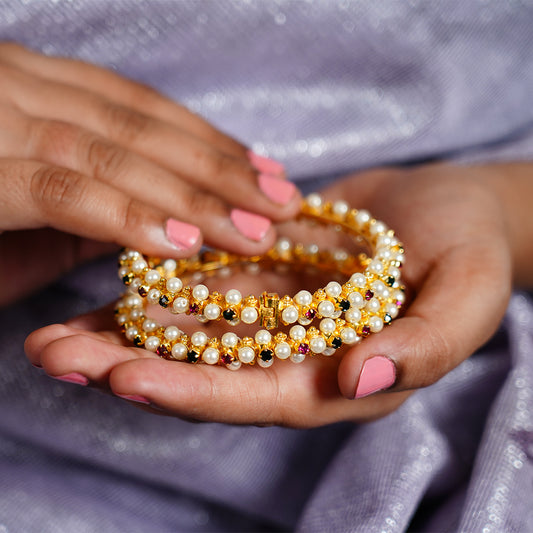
<point>327,87</point>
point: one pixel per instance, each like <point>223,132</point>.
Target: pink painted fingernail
<point>252,226</point>
<point>378,373</point>
<point>265,164</point>
<point>73,377</point>
<point>278,190</point>
<point>134,398</point>
<point>181,234</point>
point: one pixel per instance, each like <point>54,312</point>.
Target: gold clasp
<point>268,310</point>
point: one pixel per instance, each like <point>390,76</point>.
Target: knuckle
<point>54,187</point>
<point>199,201</point>
<point>52,140</point>
<point>103,157</point>
<point>125,124</point>
<point>133,216</point>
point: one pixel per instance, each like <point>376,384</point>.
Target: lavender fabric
<point>328,88</point>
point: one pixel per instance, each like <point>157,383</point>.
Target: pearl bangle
<point>370,299</point>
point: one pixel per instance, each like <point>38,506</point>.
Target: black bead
<point>344,305</point>
<point>142,290</point>
<point>336,342</point>
<point>387,318</point>
<point>390,281</point>
<point>163,301</point>
<point>127,279</point>
<point>163,351</point>
<point>266,355</point>
<point>229,314</point>
<point>192,356</point>
<point>137,340</point>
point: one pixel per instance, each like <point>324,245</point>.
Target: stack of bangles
<point>343,313</point>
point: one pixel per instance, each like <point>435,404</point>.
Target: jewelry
<point>364,304</point>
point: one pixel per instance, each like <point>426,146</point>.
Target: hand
<point>90,154</point>
<point>465,233</point>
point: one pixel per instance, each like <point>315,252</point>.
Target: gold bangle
<point>364,304</point>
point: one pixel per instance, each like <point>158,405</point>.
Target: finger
<point>72,202</point>
<point>457,309</point>
<point>121,91</point>
<point>66,145</point>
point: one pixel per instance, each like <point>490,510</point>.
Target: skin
<point>468,237</point>
<point>89,160</point>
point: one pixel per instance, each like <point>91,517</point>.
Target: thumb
<point>458,308</point>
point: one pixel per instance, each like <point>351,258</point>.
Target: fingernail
<point>378,373</point>
<point>134,398</point>
<point>252,226</point>
<point>183,235</point>
<point>266,165</point>
<point>278,190</point>
<point>73,377</point>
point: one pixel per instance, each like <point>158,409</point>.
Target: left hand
<point>459,227</point>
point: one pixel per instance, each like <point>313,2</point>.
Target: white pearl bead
<point>229,339</point>
<point>378,227</point>
<point>169,265</point>
<point>394,272</point>
<point>329,351</point>
<point>122,271</point>
<point>326,308</point>
<point>246,355</point>
<point>234,365</point>
<point>123,256</point>
<point>212,311</point>
<point>282,350</point>
<point>340,255</point>
<point>136,313</point>
<point>378,287</point>
<point>392,310</point>
<point>362,217</point>
<point>289,315</point>
<point>283,245</point>
<point>340,208</point>
<point>151,343</point>
<point>179,351</point>
<point>297,357</point>
<point>376,324</point>
<point>131,332</point>
<point>122,319</point>
<point>249,315</point>
<point>139,265</point>
<point>198,338</point>
<point>348,335</point>
<point>263,337</point>
<point>333,289</point>
<point>327,326</point>
<point>314,200</point>
<point>373,305</point>
<point>312,249</point>
<point>383,240</point>
<point>376,267</point>
<point>149,325</point>
<point>153,296</point>
<point>133,254</point>
<point>384,254</point>
<point>172,333</point>
<point>200,292</point>
<point>356,299</point>
<point>353,315</point>
<point>358,280</point>
<point>134,300</point>
<point>135,284</point>
<point>297,333</point>
<point>317,344</point>
<point>399,296</point>
<point>265,364</point>
<point>303,298</point>
<point>233,297</point>
<point>152,277</point>
<point>210,356</point>
<point>180,305</point>
<point>174,285</point>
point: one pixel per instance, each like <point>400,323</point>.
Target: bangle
<point>370,299</point>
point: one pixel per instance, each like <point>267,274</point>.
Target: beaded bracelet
<point>364,304</point>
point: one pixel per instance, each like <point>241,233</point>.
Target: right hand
<point>91,154</point>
